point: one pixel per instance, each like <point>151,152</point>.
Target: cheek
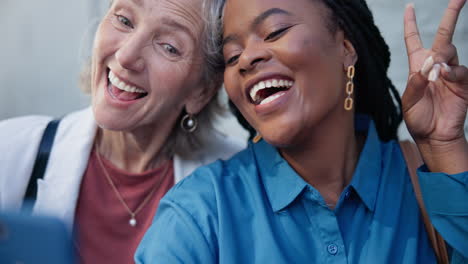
<point>319,59</point>
<point>100,38</point>
<point>232,87</point>
<point>106,40</point>
<point>304,53</point>
<point>173,80</point>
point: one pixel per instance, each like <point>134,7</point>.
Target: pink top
<point>102,222</point>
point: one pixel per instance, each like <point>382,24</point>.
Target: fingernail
<point>434,74</point>
<point>410,5</point>
<point>427,66</point>
<point>446,67</point>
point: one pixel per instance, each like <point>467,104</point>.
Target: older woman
<point>328,184</point>
<point>149,126</point>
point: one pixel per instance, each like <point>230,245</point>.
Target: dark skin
<point>435,111</point>
<point>308,123</point>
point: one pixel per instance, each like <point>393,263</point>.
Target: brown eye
<point>277,33</point>
<point>232,60</point>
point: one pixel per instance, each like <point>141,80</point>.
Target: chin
<point>281,132</point>
<point>279,138</point>
<point>106,120</point>
<point>108,123</point>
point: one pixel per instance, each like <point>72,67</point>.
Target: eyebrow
<point>174,24</point>
<point>257,21</point>
<point>137,2</point>
<point>263,16</point>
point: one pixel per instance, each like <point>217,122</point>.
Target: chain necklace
<point>132,222</point>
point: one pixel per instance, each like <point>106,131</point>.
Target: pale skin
<point>151,44</point>
<point>435,110</point>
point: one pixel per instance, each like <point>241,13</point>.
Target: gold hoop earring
<point>189,123</point>
<point>349,102</point>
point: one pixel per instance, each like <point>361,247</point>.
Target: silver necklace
<point>132,222</point>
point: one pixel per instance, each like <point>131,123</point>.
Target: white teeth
<point>274,83</point>
<point>122,85</point>
<point>254,90</point>
<point>272,98</point>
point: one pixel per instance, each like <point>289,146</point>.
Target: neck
<point>136,151</point>
<point>327,157</point>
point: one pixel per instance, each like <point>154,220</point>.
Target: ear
<point>349,53</point>
<point>200,97</point>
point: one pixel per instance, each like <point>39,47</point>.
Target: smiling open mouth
<point>269,90</point>
<point>123,91</point>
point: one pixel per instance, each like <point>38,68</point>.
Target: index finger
<point>447,24</point>
<point>412,38</point>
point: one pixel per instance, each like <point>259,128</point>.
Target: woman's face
<point>147,63</point>
<point>287,46</point>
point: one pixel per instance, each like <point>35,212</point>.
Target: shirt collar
<point>366,178</point>
<point>281,182</point>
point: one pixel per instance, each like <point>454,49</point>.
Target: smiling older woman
<point>329,183</point>
<point>153,94</point>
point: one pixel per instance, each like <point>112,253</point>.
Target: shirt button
<point>332,249</point>
<point>347,194</point>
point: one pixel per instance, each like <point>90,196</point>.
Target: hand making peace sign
<point>435,101</point>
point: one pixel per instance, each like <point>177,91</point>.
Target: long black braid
<point>375,93</point>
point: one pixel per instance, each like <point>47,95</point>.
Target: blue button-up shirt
<point>255,208</point>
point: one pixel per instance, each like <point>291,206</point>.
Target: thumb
<point>415,90</point>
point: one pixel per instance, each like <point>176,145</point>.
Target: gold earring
<point>257,138</point>
<point>349,102</point>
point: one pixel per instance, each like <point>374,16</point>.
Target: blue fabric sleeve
<point>446,199</point>
<point>174,237</point>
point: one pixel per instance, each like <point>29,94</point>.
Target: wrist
<point>449,157</point>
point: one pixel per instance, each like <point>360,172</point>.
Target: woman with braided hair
<point>153,100</point>
<point>328,182</point>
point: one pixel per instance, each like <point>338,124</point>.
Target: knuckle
<point>453,49</point>
<point>413,51</point>
<point>454,10</point>
<point>437,50</point>
<point>411,34</point>
<point>444,53</point>
<point>443,31</point>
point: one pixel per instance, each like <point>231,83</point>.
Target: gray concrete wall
<point>43,47</point>
<point>45,42</point>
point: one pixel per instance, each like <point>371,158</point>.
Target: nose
<point>129,55</point>
<point>252,56</point>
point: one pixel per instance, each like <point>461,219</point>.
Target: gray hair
<point>180,142</point>
<point>213,14</point>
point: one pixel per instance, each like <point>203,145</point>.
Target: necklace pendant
<point>132,222</point>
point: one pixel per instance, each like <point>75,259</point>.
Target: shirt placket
<point>326,231</point>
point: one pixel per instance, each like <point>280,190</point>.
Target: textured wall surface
<point>44,44</point>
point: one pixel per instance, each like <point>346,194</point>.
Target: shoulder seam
<point>205,236</point>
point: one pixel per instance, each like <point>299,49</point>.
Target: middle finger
<point>447,54</point>
<point>447,25</point>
